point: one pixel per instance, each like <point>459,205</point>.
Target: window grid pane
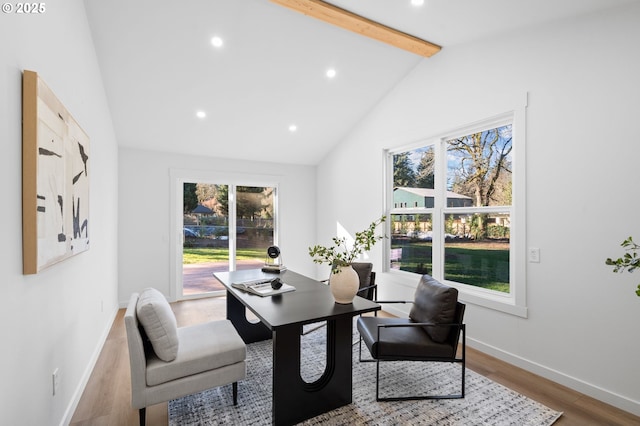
<point>467,184</point>
<point>478,262</point>
<point>411,243</point>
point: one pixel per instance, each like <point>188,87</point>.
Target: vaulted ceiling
<point>160,68</point>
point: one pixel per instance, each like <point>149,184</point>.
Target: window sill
<point>490,300</point>
<point>467,294</point>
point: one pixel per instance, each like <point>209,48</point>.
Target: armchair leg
<point>360,352</point>
<point>304,333</point>
<point>143,416</point>
<point>463,378</point>
<point>414,398</point>
<point>235,393</point>
<point>377,380</point>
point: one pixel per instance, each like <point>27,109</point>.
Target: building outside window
<point>452,209</point>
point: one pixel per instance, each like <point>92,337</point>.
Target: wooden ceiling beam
<point>350,21</point>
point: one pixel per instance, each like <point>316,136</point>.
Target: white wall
<point>145,212</point>
<point>582,166</point>
<point>58,318</point>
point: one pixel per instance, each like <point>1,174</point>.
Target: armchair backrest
<point>435,303</point>
<point>367,278</point>
<point>137,356</point>
<point>454,332</point>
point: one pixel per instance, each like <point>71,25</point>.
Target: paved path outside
<point>198,277</point>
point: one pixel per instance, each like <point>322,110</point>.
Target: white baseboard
<point>397,312</point>
<point>574,383</point>
<point>75,400</point>
<point>581,386</point>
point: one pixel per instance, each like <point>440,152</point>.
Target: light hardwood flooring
<point>106,399</point>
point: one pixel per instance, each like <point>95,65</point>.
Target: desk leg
<point>249,331</point>
<point>294,400</point>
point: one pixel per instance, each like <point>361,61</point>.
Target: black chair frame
<point>373,286</point>
<point>460,331</point>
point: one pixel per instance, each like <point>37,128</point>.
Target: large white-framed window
<point>239,220</point>
<point>456,203</point>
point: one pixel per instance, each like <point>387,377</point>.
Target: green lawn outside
<point>472,264</point>
<point>191,255</point>
<point>477,264</point>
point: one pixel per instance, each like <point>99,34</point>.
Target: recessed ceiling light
<point>201,114</point>
<point>417,3</point>
<point>217,41</point>
<point>293,128</point>
<point>331,73</point>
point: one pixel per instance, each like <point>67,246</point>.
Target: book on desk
<point>262,287</point>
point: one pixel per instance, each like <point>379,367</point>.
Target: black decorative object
<point>276,283</point>
<point>273,252</point>
<point>273,262</point>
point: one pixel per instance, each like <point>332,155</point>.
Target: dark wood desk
<point>282,317</point>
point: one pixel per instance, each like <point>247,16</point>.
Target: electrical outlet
<point>56,380</point>
<point>534,255</point>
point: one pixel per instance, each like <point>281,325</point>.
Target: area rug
<point>485,402</point>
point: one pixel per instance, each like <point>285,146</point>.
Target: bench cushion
<point>203,347</point>
<point>159,323</point>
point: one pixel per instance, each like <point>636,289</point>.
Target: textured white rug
<point>485,403</point>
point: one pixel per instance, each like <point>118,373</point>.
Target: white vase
<point>344,285</point>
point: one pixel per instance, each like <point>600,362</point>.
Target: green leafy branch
<point>630,261</point>
<point>340,254</point>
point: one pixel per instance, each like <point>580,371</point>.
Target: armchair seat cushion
<point>402,342</point>
<point>203,347</point>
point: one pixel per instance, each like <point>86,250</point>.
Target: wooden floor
<point>107,397</point>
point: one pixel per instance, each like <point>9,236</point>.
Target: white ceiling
<point>159,68</point>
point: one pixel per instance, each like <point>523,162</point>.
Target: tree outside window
<point>468,200</point>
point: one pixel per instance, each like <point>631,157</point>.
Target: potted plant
<point>629,262</point>
<point>344,282</point>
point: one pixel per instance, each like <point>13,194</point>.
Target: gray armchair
<point>168,362</point>
<point>431,333</point>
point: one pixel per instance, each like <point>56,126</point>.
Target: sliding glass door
<point>225,227</point>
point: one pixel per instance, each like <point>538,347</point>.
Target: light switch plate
<point>534,255</point>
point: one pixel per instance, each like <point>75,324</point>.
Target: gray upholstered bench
<point>169,362</point>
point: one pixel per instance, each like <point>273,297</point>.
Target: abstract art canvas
<point>55,179</point>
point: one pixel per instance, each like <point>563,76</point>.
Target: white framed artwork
<point>55,179</point>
